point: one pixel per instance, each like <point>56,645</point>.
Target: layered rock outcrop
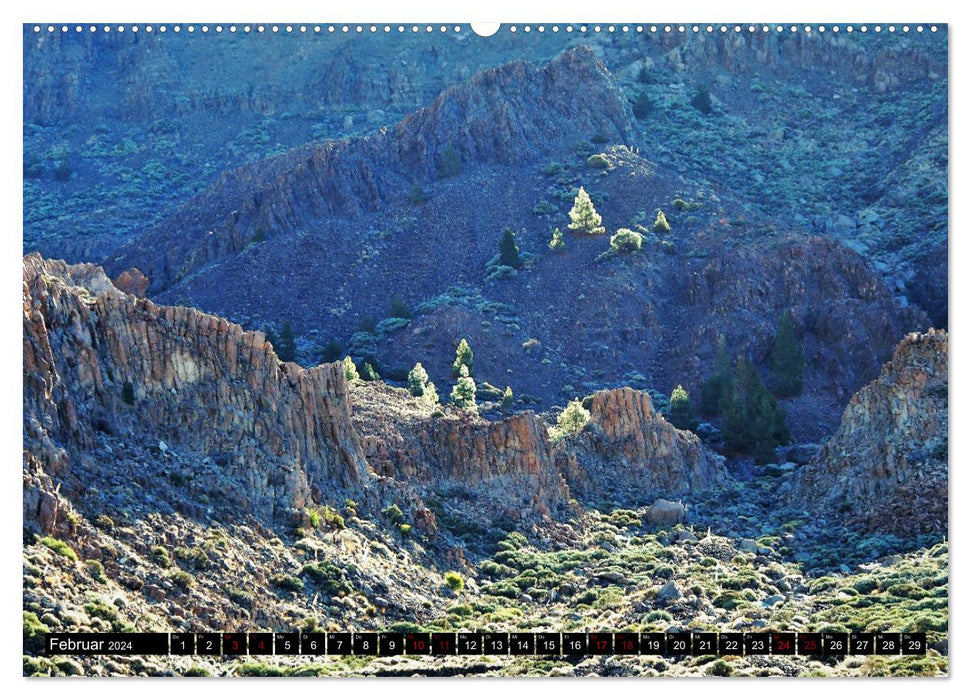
<point>505,115</point>
<point>886,468</point>
<point>629,453</point>
<point>97,360</point>
<point>505,467</point>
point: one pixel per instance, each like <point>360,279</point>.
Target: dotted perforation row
<point>428,28</point>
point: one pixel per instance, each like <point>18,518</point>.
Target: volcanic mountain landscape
<point>226,291</point>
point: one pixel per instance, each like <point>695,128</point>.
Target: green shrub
<point>160,555</point>
<point>240,597</point>
<point>104,522</point>
<point>598,160</point>
<point>34,631</point>
<point>642,106</point>
<point>259,236</point>
<point>96,570</point>
<point>287,582</point>
<point>59,547</point>
<point>454,580</point>
<point>661,224</point>
<point>196,672</point>
<point>399,309</point>
<point>393,513</point>
<point>626,241</point>
<point>195,556</point>
<point>328,576</point>
<point>417,195</point>
<point>369,373</point>
<point>102,611</point>
<point>507,397</point>
<point>544,208</point>
<point>557,244</point>
<point>183,579</point>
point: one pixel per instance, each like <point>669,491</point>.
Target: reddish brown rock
<point>886,467</point>
<point>505,467</point>
<point>94,356</point>
<point>630,453</point>
<point>133,282</point>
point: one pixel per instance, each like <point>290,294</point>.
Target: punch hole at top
<point>485,28</point>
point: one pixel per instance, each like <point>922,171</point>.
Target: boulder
<point>664,513</point>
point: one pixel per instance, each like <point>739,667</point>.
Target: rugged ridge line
<point>500,116</point>
<point>886,468</point>
<point>96,359</point>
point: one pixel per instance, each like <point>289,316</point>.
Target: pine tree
<point>507,397</point>
<point>642,106</point>
<point>463,358</point>
<point>661,224</point>
<point>557,244</point>
<point>286,348</point>
<point>350,370</point>
<point>680,411</point>
<point>430,395</point>
<point>332,352</point>
<point>715,389</point>
<point>417,379</point>
<point>463,393</point>
<point>702,100</point>
<point>508,250</point>
<point>573,418</point>
<point>369,373</point>
<point>752,420</point>
<point>788,364</point>
<point>583,217</point>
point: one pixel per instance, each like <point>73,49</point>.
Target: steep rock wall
<point>630,453</point>
<point>886,467</point>
<point>97,359</point>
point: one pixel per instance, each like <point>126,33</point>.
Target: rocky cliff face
<point>99,361</point>
<point>504,115</point>
<point>881,65</point>
<point>886,467</point>
<point>630,454</point>
<point>504,467</point>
